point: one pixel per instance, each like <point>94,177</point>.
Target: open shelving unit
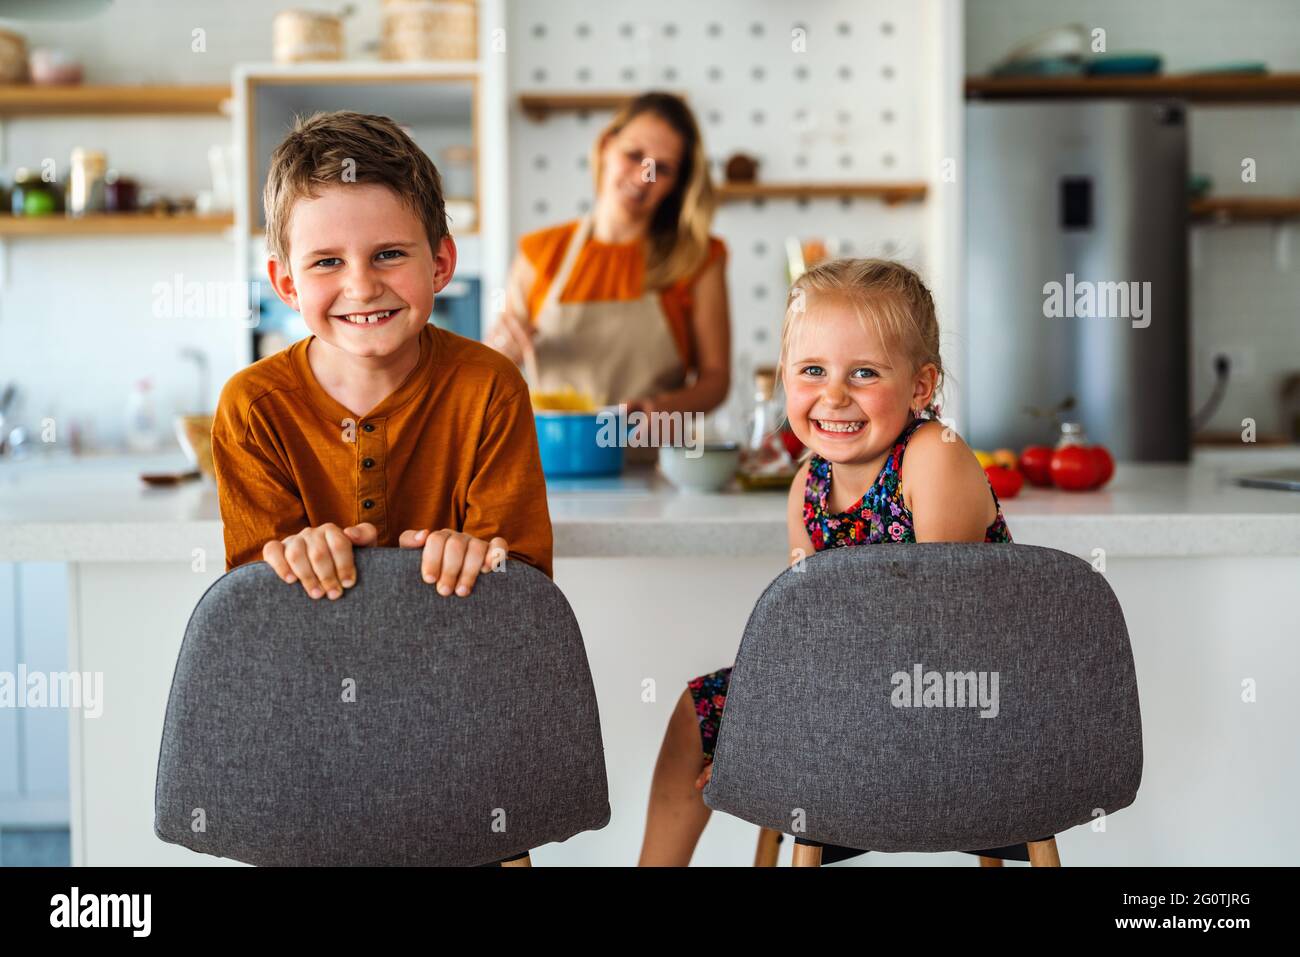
<point>440,103</point>
<point>30,101</point>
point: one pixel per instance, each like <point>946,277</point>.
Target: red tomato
<point>1036,463</point>
<point>1074,468</point>
<point>1006,482</point>
<point>1105,464</point>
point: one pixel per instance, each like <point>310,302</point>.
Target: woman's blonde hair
<point>887,294</point>
<point>678,243</point>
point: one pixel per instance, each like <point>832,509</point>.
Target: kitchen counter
<point>97,509</point>
<point>662,584</point>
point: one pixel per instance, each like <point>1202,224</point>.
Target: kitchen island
<point>662,584</point>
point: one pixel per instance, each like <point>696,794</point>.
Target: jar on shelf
<point>457,172</point>
<point>86,182</point>
<point>121,194</point>
<point>31,195</point>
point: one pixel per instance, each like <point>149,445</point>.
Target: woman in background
<point>629,304</point>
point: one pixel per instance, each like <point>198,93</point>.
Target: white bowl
<point>699,469</point>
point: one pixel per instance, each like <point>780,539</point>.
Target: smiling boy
<point>378,428</point>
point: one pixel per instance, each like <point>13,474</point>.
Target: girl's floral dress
<point>879,517</point>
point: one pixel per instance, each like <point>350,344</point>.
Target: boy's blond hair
<point>887,294</point>
<point>343,147</point>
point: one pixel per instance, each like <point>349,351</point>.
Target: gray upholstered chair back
<point>392,726</point>
<point>821,726</point>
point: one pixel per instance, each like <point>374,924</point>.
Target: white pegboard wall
<point>843,106</point>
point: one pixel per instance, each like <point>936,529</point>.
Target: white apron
<point>615,351</point>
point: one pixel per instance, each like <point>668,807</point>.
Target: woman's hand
<point>512,337</point>
<point>643,432</point>
<point>454,560</point>
<point>646,405</point>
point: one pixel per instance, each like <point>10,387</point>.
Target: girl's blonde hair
<point>678,243</point>
<point>887,294</point>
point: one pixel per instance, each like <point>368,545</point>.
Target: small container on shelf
<point>430,31</point>
<point>457,171</point>
<point>33,196</point>
<point>300,36</point>
<point>54,68</point>
<point>121,194</point>
<point>741,168</point>
<point>86,182</point>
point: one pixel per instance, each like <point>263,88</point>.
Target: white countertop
<point>95,508</point>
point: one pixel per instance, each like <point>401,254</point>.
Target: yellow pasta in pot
<point>567,399</point>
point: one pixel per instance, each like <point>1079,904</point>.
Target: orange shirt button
<point>368,503</point>
<point>367,463</point>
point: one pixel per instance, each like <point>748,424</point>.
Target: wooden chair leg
<point>990,862</point>
<point>1044,853</point>
<point>769,844</point>
<point>807,855</point>
<point>524,861</point>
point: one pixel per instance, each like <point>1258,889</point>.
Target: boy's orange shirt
<point>455,446</point>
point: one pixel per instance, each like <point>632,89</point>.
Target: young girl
<point>861,369</point>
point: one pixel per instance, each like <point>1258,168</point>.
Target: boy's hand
<point>453,559</point>
<point>320,558</point>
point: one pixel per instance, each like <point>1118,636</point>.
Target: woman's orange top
<point>612,271</point>
<point>454,446</point>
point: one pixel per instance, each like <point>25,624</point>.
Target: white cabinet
<point>33,741</point>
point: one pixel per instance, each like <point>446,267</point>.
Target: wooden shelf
<point>1203,88</point>
<point>890,193</point>
<point>114,224</point>
<point>32,100</point>
<point>1228,209</point>
<point>538,106</point>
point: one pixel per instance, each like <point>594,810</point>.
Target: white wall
<point>1245,278</point>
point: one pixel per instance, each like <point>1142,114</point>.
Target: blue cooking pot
<point>578,443</point>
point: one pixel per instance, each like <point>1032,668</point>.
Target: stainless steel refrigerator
<point>1076,273</point>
